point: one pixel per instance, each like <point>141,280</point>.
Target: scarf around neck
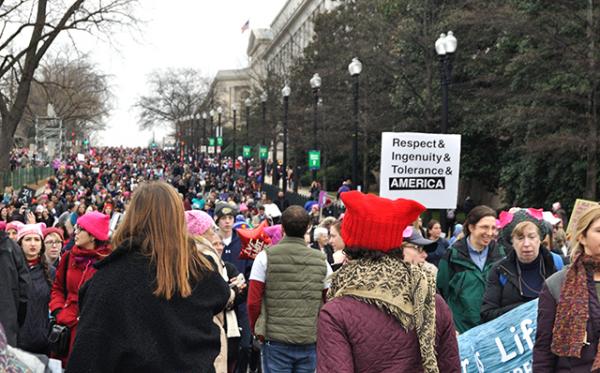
<point>569,334</point>
<point>404,291</point>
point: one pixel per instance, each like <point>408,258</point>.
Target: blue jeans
<point>280,357</point>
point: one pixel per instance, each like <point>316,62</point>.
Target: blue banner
<point>504,344</point>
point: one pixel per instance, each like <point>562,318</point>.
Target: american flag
<point>246,26</point>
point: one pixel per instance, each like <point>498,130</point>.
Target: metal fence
<point>297,198</point>
<point>24,176</point>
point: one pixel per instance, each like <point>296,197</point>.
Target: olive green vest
<point>293,292</point>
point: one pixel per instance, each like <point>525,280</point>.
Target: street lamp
<point>219,133</point>
<point>248,103</point>
<point>234,107</point>
<point>212,125</point>
<point>285,92</point>
<point>263,100</point>
<point>219,129</point>
<point>315,84</point>
<point>445,46</point>
<point>355,68</point>
<point>197,116</point>
<point>204,116</point>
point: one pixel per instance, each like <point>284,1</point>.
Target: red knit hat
<point>376,223</point>
<point>55,230</point>
<point>96,224</point>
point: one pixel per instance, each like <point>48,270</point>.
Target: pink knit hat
<point>96,224</point>
<point>28,229</point>
<point>198,222</point>
<point>2,225</point>
<point>15,224</point>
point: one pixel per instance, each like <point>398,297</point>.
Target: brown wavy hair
<point>155,221</point>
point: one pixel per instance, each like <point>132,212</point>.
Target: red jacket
<point>353,336</point>
<point>80,269</point>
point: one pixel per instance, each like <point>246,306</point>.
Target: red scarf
<point>572,312</point>
<point>33,262</point>
<point>83,257</point>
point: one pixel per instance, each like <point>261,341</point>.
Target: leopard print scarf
<point>404,291</point>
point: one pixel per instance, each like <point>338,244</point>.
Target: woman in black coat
<point>33,335</point>
<point>519,277</point>
<point>150,305</point>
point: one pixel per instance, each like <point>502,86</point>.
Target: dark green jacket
<point>293,292</point>
<point>462,283</point>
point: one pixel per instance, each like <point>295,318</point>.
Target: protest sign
<point>581,205</point>
<point>504,344</point>
<point>420,166</point>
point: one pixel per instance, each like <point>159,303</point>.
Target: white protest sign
<point>80,157</point>
<point>420,166</point>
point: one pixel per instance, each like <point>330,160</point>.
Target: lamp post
<point>204,116</point>
<point>315,84</point>
<point>212,124</point>
<point>285,92</point>
<point>248,103</point>
<point>355,68</point>
<point>197,116</point>
<point>234,107</point>
<point>219,134</point>
<point>263,100</point>
<point>445,46</point>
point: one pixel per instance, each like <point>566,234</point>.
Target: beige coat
<point>205,248</point>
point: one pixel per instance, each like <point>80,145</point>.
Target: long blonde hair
<point>583,224</point>
<point>155,220</point>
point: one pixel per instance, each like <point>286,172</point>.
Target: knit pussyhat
<point>376,223</point>
<point>28,229</point>
<point>15,224</point>
<point>198,222</point>
<point>508,222</point>
<point>96,224</point>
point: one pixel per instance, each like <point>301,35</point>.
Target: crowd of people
<point>138,260</point>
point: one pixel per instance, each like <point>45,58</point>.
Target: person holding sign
<point>464,268</point>
<point>519,277</point>
<point>569,309</point>
<point>383,313</point>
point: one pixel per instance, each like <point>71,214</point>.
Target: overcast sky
<point>201,34</point>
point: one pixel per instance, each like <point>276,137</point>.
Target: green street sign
<point>219,141</point>
<point>247,152</point>
<point>211,141</point>
<point>263,152</point>
<point>314,159</point>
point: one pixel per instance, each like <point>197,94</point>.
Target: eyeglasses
<point>52,243</point>
<point>78,229</point>
<point>414,247</point>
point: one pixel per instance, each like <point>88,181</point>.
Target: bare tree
<point>174,93</point>
<point>29,29</point>
<point>78,92</point>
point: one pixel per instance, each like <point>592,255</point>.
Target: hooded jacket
<point>462,283</point>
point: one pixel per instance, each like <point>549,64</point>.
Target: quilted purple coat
<point>543,358</point>
<point>353,336</point>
